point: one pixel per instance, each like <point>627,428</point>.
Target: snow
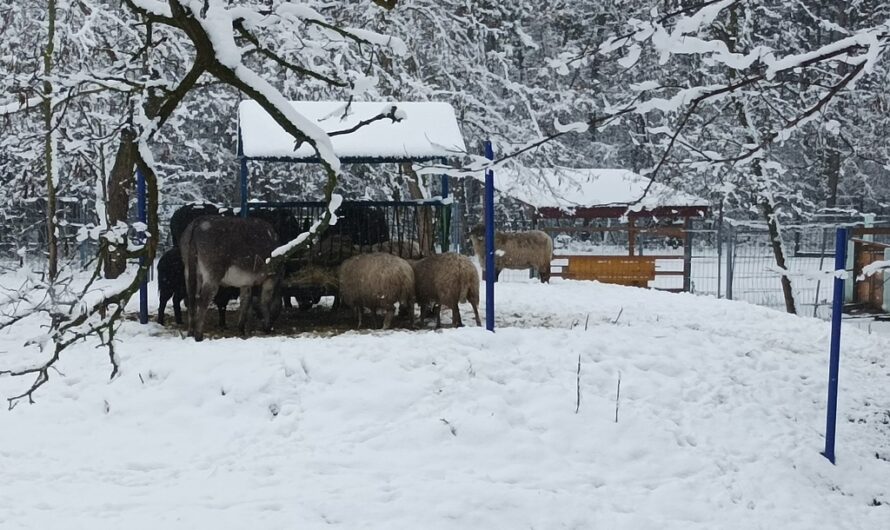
<point>568,188</point>
<point>722,410</point>
<point>428,130</point>
<point>874,268</point>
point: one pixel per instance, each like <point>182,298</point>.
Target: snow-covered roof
<point>428,130</point>
<point>568,188</point>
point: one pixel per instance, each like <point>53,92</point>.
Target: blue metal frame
<point>840,264</point>
<point>143,217</point>
<point>243,173</point>
<point>489,241</point>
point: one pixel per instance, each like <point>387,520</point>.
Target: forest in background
<point>510,69</point>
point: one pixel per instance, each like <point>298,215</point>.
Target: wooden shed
<point>638,230</point>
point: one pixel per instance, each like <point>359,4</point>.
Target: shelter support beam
<point>489,241</point>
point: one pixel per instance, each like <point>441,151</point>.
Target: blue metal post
<point>244,175</point>
<point>444,239</point>
<point>143,217</point>
<point>489,241</point>
<point>840,263</point>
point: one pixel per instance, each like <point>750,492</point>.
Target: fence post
<point>445,232</point>
<point>730,258</point>
<point>720,251</point>
<point>143,218</point>
<point>242,160</point>
<point>489,240</point>
<point>837,304</point>
<point>687,255</point>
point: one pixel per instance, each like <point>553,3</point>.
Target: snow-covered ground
<point>720,424</point>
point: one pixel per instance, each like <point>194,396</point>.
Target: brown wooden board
<point>870,290</point>
<point>635,271</point>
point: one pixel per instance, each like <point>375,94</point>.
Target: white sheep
<point>377,281</point>
<point>516,250</point>
<point>446,279</point>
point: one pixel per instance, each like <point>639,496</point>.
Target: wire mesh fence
<point>737,261</point>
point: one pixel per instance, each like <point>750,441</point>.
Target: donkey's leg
<point>267,298</point>
<point>243,309</point>
<point>207,291</point>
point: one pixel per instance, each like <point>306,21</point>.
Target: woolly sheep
<point>408,249</point>
<point>516,250</point>
<point>377,281</point>
<point>446,279</point>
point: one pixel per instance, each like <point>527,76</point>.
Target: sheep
<point>446,279</point>
<point>516,250</point>
<point>377,281</point>
<point>407,249</point>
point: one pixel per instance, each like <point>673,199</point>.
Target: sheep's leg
<point>456,321</point>
<point>387,316</point>
<point>358,314</point>
<point>544,274</point>
<point>497,274</point>
<point>438,311</point>
<point>411,314</point>
<point>476,312</point>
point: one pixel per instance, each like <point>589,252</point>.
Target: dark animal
<point>188,213</point>
<point>171,284</point>
<point>364,225</point>
<point>283,222</point>
<point>229,251</point>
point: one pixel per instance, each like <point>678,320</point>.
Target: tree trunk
<point>120,182</point>
<point>767,206</point>
<point>52,171</point>
<point>775,239</point>
<point>425,233</point>
<point>832,170</point>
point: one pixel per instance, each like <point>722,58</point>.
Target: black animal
<point>229,251</point>
<point>171,284</point>
<point>283,222</point>
<point>363,225</point>
<point>188,213</point>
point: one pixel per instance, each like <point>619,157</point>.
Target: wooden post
<point>687,254</point>
<point>631,235</point>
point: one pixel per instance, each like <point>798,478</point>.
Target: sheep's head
<point>478,230</point>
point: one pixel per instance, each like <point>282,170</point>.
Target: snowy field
<point>720,420</point>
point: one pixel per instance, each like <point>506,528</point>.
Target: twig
<point>620,311</point>
<point>578,386</point>
<point>618,396</point>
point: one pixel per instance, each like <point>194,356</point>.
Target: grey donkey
<point>230,251</point>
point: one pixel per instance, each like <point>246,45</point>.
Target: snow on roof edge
<point>570,188</point>
<point>428,130</point>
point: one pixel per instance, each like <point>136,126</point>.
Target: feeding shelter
<point>607,219</point>
<point>422,131</point>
